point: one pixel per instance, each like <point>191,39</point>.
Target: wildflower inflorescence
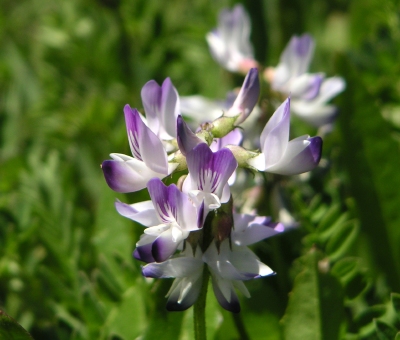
<point>195,224</point>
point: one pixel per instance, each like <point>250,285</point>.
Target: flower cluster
<point>310,92</point>
<point>193,229</point>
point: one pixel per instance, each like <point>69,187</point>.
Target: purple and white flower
<point>187,269</point>
<point>161,104</point>
<point>294,62</point>
<point>230,42</point>
<point>309,92</point>
<point>281,156</point>
<point>207,181</point>
<point>128,174</point>
<point>169,218</point>
<point>228,265</point>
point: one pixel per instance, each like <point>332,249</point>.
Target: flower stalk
<point>199,309</point>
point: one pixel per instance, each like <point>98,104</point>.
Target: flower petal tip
<point>316,148</point>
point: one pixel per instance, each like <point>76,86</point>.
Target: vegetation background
<point>67,68</point>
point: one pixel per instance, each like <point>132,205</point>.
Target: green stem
<point>237,319</point>
<point>199,309</point>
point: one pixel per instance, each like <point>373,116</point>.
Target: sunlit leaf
<point>315,307</point>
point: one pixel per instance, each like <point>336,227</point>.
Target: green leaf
<point>351,275</point>
<point>345,268</point>
<point>326,226</point>
<point>315,307</point>
<point>11,330</point>
<point>397,336</point>
<point>356,285</point>
<point>128,318</point>
<point>341,241</point>
<point>369,314</point>
<point>384,331</point>
<point>326,230</point>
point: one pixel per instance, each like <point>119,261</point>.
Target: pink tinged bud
<point>247,97</point>
<point>230,42</point>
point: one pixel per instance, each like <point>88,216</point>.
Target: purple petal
<point>178,267</point>
<point>169,107</point>
<point>255,233</point>
<point>165,199</point>
<point>121,177</point>
<point>299,53</point>
<point>232,138</point>
<point>306,86</point>
<point>201,216</point>
<point>143,212</point>
<point>145,145</point>
<point>151,99</point>
<point>187,140</point>
<point>303,154</point>
<point>275,136</point>
<point>143,253</point>
<point>210,171</point>
<point>313,87</point>
<point>127,174</point>
<point>316,111</point>
<point>294,61</point>
<point>233,304</point>
<point>161,105</point>
<point>134,127</point>
<point>164,246</point>
<point>247,97</point>
<point>303,44</point>
<point>173,206</point>
<point>251,229</point>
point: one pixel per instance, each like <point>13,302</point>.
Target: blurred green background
<point>67,68</point>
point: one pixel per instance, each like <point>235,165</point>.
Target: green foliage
<point>315,309</point>
<point>66,270</point>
